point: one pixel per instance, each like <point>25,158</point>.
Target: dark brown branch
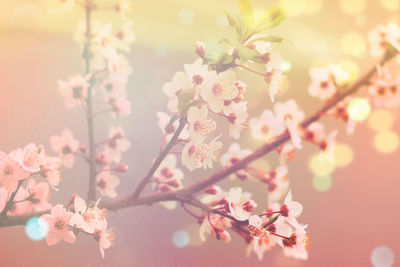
<point>10,202</point>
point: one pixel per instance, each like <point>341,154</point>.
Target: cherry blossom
<point>58,225</point>
<point>169,129</point>
<point>233,155</point>
<point>120,106</point>
<point>299,249</point>
<point>106,240</point>
<point>117,144</point>
<point>324,81</point>
<point>291,210</point>
<point>199,125</point>
<point>11,172</point>
<point>65,145</point>
<point>385,89</point>
<point>179,82</point>
<point>381,36</point>
<point>219,89</point>
<point>197,72</point>
<point>106,184</point>
<point>266,126</point>
<point>237,119</point>
<point>292,116</point>
<point>196,156</point>
<point>215,225</point>
<point>74,90</point>
<point>89,219</point>
<point>240,203</point>
<point>50,169</point>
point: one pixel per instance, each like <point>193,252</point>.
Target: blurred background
<point>351,206</point>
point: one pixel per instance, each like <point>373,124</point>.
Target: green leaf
<point>246,53</point>
<point>271,18</point>
<point>247,13</point>
<point>269,39</point>
<point>185,96</point>
<point>236,22</point>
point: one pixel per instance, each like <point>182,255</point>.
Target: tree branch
<point>160,158</point>
<point>11,200</point>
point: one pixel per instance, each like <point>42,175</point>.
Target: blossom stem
<point>250,70</point>
<point>190,212</point>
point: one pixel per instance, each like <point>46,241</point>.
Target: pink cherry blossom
<point>237,119</point>
<point>120,106</point>
<point>217,228</point>
<point>65,145</point>
<point>381,36</point>
<point>299,249</point>
<point>179,82</point>
<point>106,240</point>
<point>292,116</point>
<point>30,158</point>
<point>51,170</point>
<point>219,88</point>
<point>240,203</point>
<point>58,225</point>
<point>294,209</point>
<point>233,155</point>
<point>197,72</point>
<point>199,125</point>
<point>167,129</point>
<point>106,184</point>
<point>74,90</point>
<point>196,156</point>
<point>88,219</point>
<point>266,126</point>
<point>11,172</point>
<point>324,81</point>
<point>117,144</point>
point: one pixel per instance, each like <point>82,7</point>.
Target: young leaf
<point>272,17</point>
<point>185,96</point>
<point>236,22</point>
<point>269,39</point>
<point>247,13</point>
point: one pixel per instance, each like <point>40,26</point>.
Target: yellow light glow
<point>360,20</point>
<point>351,68</point>
<point>343,155</point>
<point>354,44</point>
<point>186,16</point>
<point>386,141</point>
<point>299,7</point>
<point>392,5</point>
<point>380,120</point>
<point>321,164</point>
<point>352,7</point>
<point>322,183</point>
<point>358,109</point>
<point>222,22</point>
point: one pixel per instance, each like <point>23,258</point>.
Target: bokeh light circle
<point>321,164</point>
<point>386,141</point>
<point>36,228</point>
<point>382,256</point>
<point>180,238</point>
<point>380,120</point>
<point>352,7</point>
<point>322,183</point>
<point>186,16</point>
<point>354,44</point>
<point>343,155</point>
<point>391,5</point>
<point>358,109</point>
